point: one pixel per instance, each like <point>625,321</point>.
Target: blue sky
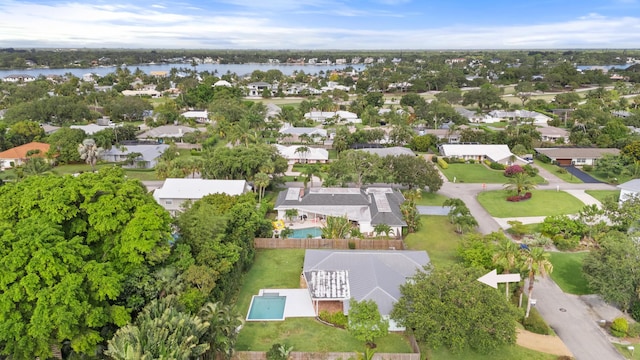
<point>321,24</point>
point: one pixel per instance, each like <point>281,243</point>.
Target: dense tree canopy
<point>448,307</point>
<point>69,244</point>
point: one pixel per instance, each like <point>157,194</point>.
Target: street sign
<point>492,278</point>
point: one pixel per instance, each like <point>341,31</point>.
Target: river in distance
<point>220,69</point>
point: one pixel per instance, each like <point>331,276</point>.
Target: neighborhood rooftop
<point>197,188</point>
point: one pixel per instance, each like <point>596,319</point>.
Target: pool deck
<point>303,224</point>
<point>298,302</point>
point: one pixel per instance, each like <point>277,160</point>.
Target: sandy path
<point>543,343</point>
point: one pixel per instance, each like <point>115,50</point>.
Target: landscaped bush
<point>517,198</point>
<point>530,170</point>
<point>635,311</point>
<point>337,319</point>
<point>471,161</point>
<point>512,170</point>
<point>442,163</point>
<point>634,330</point>
<point>496,166</point>
<point>561,170</point>
<point>536,324</point>
<point>487,162</point>
<point>434,159</point>
<point>564,244</point>
<point>619,327</point>
<point>544,158</point>
<point>587,168</point>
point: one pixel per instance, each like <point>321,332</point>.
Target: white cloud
<point>117,25</point>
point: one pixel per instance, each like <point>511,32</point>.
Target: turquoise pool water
<point>267,307</point>
<point>306,232</point>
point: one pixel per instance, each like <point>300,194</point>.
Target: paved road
<point>576,327</point>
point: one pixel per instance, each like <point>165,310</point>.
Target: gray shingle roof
<point>631,185</point>
<point>390,151</point>
<point>571,153</point>
<point>373,275</point>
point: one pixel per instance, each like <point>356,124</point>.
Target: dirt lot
<point>543,343</point>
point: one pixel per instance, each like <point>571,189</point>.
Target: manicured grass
<point>567,272</point>
<point>281,269</point>
<point>542,203</point>
<point>604,178</point>
<point>603,195</point>
<point>437,237</point>
<point>142,175</point>
<point>76,168</point>
<point>431,199</point>
<point>513,352</point>
<point>333,154</point>
<point>566,177</point>
<point>623,349</point>
<point>477,173</point>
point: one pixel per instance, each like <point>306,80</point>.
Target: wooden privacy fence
<point>362,244</point>
<point>295,355</point>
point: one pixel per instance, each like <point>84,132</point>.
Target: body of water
<point>220,69</point>
<point>603,67</point>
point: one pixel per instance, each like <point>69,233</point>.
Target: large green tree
<point>365,322</point>
<point>414,171</point>
<point>68,246</point>
<point>64,144</point>
<point>448,307</point>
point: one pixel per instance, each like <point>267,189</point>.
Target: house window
<point>581,160</point>
<point>168,202</point>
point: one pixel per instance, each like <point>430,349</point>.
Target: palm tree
<point>509,257</point>
<point>302,151</point>
<point>520,182</point>
<point>536,261</point>
<point>261,181</point>
<point>464,223</point>
<point>337,227</point>
<point>383,229</point>
<point>291,214</point>
<point>223,325</point>
<point>89,152</point>
<point>36,166</point>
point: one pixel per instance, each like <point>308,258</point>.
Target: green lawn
<point>566,177</point>
<point>431,199</point>
<point>542,203</point>
<point>604,178</point>
<point>437,237</point>
<point>623,349</point>
<point>477,173</point>
<point>76,168</point>
<point>567,272</point>
<point>281,269</point>
<point>603,195</point>
<point>513,352</point>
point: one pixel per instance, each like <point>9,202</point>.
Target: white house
<point>472,116</point>
<point>629,190</point>
<point>339,116</point>
<point>553,134</point>
<point>257,88</point>
<point>143,92</point>
<point>175,192</point>
<point>479,152</point>
<point>294,134</point>
<point>500,115</point>
<point>309,156</point>
<point>91,129</point>
<point>199,116</point>
<point>175,132</point>
<point>365,207</point>
<point>19,78</point>
<point>147,159</point>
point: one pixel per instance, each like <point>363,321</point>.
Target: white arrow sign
<point>492,278</point>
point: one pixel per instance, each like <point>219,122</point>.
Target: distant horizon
<point>364,25</point>
<point>71,48</point>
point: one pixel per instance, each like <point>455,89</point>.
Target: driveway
<point>586,178</point>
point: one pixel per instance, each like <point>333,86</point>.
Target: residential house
<point>443,135</point>
<point>162,133</point>
<point>389,151</point>
<point>147,159</point>
<point>199,116</point>
<point>224,83</point>
<point>480,152</point>
<point>339,275</point>
<point>18,155</point>
<point>258,88</point>
<point>273,111</point>
<point>517,115</point>
<point>566,156</point>
<point>364,207</point>
<point>339,116</point>
<point>290,134</point>
<point>91,129</point>
<point>471,116</point>
<point>142,92</point>
<point>628,190</point>
<point>311,155</point>
<point>49,129</point>
<point>173,193</point>
<point>553,134</point>
<point>19,78</point>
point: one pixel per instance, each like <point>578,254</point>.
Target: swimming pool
<point>313,232</point>
<point>267,307</point>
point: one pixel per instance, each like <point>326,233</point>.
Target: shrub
<point>634,330</point>
<point>587,168</point>
<point>561,170</point>
<point>564,244</point>
<point>496,166</point>
<point>442,163</point>
<point>434,159</point>
<point>536,324</point>
<point>512,170</point>
<point>352,245</point>
<point>619,327</point>
<point>471,161</point>
<point>487,162</point>
<point>635,311</point>
<point>195,152</point>
<point>337,319</point>
<point>544,158</point>
<point>530,170</point>
<point>279,352</point>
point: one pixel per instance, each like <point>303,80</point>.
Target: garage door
<point>564,162</point>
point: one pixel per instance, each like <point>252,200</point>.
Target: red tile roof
<point>20,152</point>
